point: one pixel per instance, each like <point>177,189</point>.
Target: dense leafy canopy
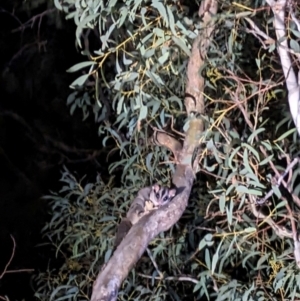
<point>132,79</point>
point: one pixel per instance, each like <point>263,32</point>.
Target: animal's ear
<point>155,188</point>
<point>179,189</point>
<point>172,192</point>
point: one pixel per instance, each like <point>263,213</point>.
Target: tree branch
<point>136,241</point>
<point>283,49</point>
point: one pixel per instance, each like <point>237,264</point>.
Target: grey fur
<point>148,199</point>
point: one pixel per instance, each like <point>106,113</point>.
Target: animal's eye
<point>157,195</point>
<point>165,198</point>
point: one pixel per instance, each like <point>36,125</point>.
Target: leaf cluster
<point>219,250</point>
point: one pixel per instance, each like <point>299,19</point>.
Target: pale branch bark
<point>172,278</point>
<point>259,34</point>
<point>136,241</point>
<point>278,8</point>
<point>195,82</point>
<point>292,82</point>
<point>194,97</point>
<point>163,139</point>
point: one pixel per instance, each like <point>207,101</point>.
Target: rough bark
<point>136,241</point>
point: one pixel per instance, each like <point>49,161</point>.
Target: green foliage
<point>136,78</point>
<point>82,231</point>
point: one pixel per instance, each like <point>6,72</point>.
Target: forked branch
<point>132,247</point>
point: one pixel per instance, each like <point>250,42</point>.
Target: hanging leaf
<point>79,81</point>
<point>80,66</point>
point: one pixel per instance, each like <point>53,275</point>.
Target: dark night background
<point>37,133</point>
<point>39,136</point>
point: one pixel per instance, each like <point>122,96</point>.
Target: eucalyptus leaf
<point>79,81</point>
<point>178,41</point>
<point>80,66</point>
<point>222,202</point>
<point>283,136</point>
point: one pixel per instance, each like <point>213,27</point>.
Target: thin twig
<point>33,19</point>
<point>11,257</point>
<point>161,275</point>
<point>279,180</point>
<point>171,278</point>
<point>5,271</point>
